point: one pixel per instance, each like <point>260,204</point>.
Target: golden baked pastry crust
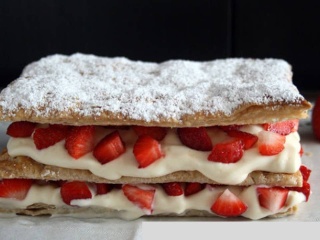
<point>85,89</point>
<point>25,167</point>
<point>246,114</point>
<point>41,209</point>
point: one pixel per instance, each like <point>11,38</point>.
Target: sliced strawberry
<point>49,136</point>
<point>140,197</point>
<point>157,133</point>
<point>74,190</point>
<point>305,172</point>
<point>147,150</point>
<point>301,152</point>
<point>195,138</point>
<point>15,188</point>
<point>270,143</point>
<point>230,127</point>
<point>109,148</point>
<point>21,129</point>
<point>228,205</point>
<point>80,141</point>
<point>305,189</point>
<point>295,123</point>
<point>173,188</point>
<point>193,188</point>
<point>315,119</point>
<point>283,128</point>
<point>103,188</point>
<point>61,127</point>
<point>248,139</point>
<point>229,151</point>
<point>272,198</point>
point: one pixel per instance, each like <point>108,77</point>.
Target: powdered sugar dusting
<point>147,91</point>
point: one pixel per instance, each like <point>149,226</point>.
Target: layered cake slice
<point>113,137</point>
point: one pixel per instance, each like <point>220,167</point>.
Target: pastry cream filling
<point>177,157</point>
<point>163,204</point>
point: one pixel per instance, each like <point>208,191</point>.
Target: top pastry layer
<point>85,89</point>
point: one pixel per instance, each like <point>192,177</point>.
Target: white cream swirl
<point>177,158</point>
<point>163,204</point>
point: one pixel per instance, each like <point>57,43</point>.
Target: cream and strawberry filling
<point>224,154</point>
<point>134,201</point>
<point>219,153</point>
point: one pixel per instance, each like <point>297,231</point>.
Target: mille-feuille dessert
<point>113,137</point>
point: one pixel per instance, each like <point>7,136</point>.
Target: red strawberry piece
<point>173,188</point>
<point>315,119</point>
<point>283,128</point>
<point>21,129</point>
<point>80,141</point>
<point>229,151</point>
<point>147,150</point>
<point>193,188</point>
<point>230,127</point>
<point>270,143</point>
<point>143,198</point>
<point>301,152</point>
<point>103,188</point>
<point>157,133</point>
<point>295,123</point>
<point>61,127</point>
<point>49,136</point>
<point>305,189</point>
<point>228,205</point>
<point>109,148</point>
<point>305,172</point>
<point>248,139</point>
<point>74,190</point>
<point>15,188</point>
<point>272,198</point>
<point>195,138</point>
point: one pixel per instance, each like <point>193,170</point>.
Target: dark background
<point>161,30</point>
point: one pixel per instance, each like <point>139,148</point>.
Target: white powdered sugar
<point>146,91</point>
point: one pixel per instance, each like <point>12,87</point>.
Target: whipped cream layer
<point>177,157</point>
<point>163,204</point>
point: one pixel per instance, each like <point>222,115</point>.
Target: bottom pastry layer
<point>134,201</point>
